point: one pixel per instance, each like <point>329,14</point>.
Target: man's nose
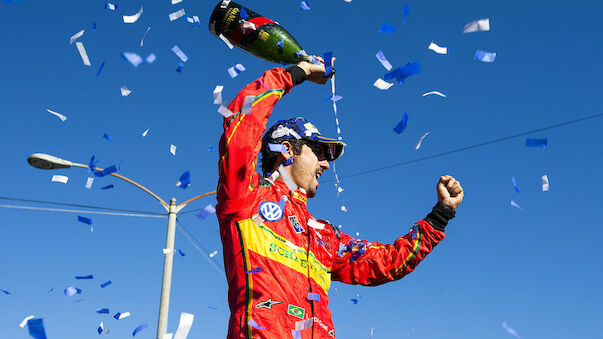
<point>324,164</point>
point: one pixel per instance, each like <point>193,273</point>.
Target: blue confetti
<point>406,11</point>
<point>304,6</point>
<point>105,284</point>
<point>100,328</point>
<point>81,277</point>
<point>484,56</point>
<point>243,13</point>
<point>70,290</point>
<point>531,142</point>
<point>415,230</point>
<point>182,254</point>
<point>277,148</point>
<point>78,291</point>
<point>94,27</point>
<point>185,180</point>
<point>139,328</point>
<point>92,164</point>
<point>4,291</point>
<point>102,310</point>
<point>333,98</point>
<point>110,6</point>
<point>328,58</point>
<point>386,28</point>
<point>212,308</point>
<point>106,171</point>
<point>515,184</point>
<point>180,66</point>
<point>355,301</point>
<point>84,220</point>
<point>255,325</point>
<point>107,136</point>
<point>107,187</point>
<point>100,68</point>
<point>313,296</point>
<point>401,73</point>
<point>255,270</point>
<point>211,148</point>
<point>402,125</point>
<point>36,328</point>
<point>296,334</point>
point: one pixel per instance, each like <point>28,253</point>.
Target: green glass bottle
<point>255,34</point>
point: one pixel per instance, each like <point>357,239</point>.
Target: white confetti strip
<point>438,49</point>
<point>545,183</point>
<point>59,115</point>
<point>247,104</point>
<point>226,41</point>
<point>184,326</point>
<point>144,35</point>
<point>421,140</point>
<point>144,134</point>
<point>22,324</point>
<point>177,15</point>
<point>436,93</point>
<point>130,19</point>
<point>60,178</point>
<point>224,111</point>
<point>213,254</point>
<point>89,182</point>
<point>179,53</point>
<point>287,179</point>
<point>176,2</point>
<point>382,84</point>
<point>76,36</point>
<point>83,54</point>
<point>315,224</point>
<point>477,25</point>
<point>173,149</point>
<point>123,315</point>
<point>124,91</point>
<point>218,95</point>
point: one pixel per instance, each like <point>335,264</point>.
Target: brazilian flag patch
<point>296,311</point>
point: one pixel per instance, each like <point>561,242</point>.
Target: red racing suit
<point>276,270</point>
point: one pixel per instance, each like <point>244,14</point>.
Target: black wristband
<point>439,216</point>
<point>298,75</point>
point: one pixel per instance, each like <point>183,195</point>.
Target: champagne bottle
<point>255,34</point>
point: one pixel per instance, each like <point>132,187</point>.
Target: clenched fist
<point>450,192</point>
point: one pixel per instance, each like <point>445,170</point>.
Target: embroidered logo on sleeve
<point>268,304</point>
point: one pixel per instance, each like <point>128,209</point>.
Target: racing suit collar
<point>298,195</point>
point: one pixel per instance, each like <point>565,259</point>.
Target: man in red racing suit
<point>280,259</point>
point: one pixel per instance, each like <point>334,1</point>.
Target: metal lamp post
<point>46,161</point>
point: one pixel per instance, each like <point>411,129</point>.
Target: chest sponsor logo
<point>296,311</point>
<point>268,304</point>
<point>295,224</point>
<point>271,211</point>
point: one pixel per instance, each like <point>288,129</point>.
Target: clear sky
<point>538,269</point>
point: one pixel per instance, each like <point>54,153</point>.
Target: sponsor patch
<point>271,211</point>
<point>295,224</point>
<point>268,304</point>
<point>296,311</point>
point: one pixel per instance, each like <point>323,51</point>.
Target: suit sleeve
<point>372,263</point>
<point>242,138</point>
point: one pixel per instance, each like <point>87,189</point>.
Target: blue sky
<point>536,269</point>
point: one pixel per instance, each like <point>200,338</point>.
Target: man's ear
<point>289,148</point>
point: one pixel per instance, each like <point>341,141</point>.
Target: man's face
<point>308,166</point>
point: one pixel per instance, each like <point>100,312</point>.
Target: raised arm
<point>372,263</point>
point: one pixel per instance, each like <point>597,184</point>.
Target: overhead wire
<point>199,247</point>
<point>79,205</point>
<point>466,147</point>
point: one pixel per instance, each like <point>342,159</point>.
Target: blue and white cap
<point>300,128</point>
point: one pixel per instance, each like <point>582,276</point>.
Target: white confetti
<point>123,315</point>
<point>436,93</point>
<point>514,204</point>
<point>247,104</point>
<point>287,179</point>
<point>477,25</point>
<point>82,50</point>
<point>22,324</point>
<point>437,49</point>
<point>167,250</point>
<point>76,36</point>
<point>236,70</point>
<point>421,140</point>
<point>218,95</point>
<point>184,326</point>
<point>212,254</point>
<point>173,149</point>
<point>144,35</point>
<point>176,2</point>
<point>315,224</point>
<point>124,91</point>
<point>59,115</point>
<point>226,41</point>
<point>382,84</point>
<point>179,53</point>
<point>545,183</point>
<point>484,56</point>
<point>381,57</point>
<point>343,208</point>
<point>144,134</point>
<point>225,111</point>
<point>60,178</point>
<point>151,58</point>
<point>130,19</point>
<point>304,324</point>
<point>177,14</point>
<point>89,182</point>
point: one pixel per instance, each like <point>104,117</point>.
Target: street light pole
<point>168,261</point>
<point>45,161</point>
